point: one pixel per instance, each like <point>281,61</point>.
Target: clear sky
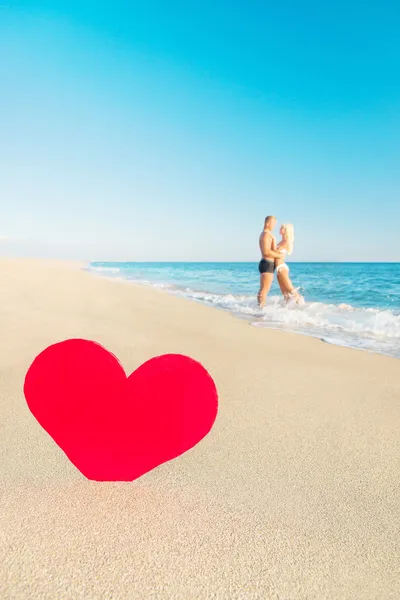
<point>168,130</point>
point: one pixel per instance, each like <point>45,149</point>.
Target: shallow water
<point>349,304</point>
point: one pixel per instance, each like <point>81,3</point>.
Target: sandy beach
<point>293,495</point>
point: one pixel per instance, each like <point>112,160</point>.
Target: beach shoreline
<point>232,287</point>
<point>293,494</point>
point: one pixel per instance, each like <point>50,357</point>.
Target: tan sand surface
<point>293,495</point>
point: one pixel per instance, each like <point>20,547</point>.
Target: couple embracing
<point>273,259</point>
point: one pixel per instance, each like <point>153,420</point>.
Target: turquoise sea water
<point>352,304</point>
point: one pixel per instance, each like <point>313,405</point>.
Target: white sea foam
<point>345,325</point>
<point>106,270</point>
<point>377,330</point>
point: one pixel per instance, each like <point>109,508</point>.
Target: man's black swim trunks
<point>266,266</point>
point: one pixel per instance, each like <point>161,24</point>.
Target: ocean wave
<point>97,269</point>
<point>373,329</point>
<point>376,330</point>
<point>344,318</point>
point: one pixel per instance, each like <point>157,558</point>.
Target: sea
<point>347,304</point>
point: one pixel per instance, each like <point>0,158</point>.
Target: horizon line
<point>222,262</point>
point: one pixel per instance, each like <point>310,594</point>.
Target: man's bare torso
<point>267,242</point>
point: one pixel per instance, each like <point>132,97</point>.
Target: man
<point>266,266</point>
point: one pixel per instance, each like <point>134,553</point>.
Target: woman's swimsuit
<point>282,265</point>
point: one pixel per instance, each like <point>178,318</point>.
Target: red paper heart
<point>113,427</point>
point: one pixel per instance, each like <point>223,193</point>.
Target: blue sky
<point>169,130</point>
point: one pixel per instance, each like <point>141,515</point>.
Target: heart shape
<point>113,427</point>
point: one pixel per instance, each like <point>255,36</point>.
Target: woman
<point>282,270</point>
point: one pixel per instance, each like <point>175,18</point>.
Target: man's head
<point>270,222</point>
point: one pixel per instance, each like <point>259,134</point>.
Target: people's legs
<point>281,283</point>
<point>265,285</point>
<point>286,285</point>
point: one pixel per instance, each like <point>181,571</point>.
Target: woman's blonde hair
<point>289,234</point>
